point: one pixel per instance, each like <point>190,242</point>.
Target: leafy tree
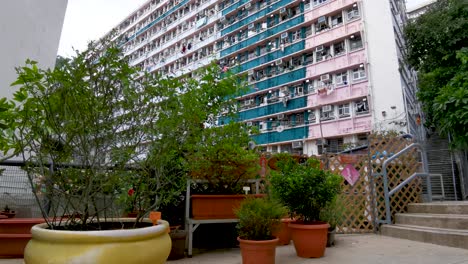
<point>121,130</point>
<point>437,48</point>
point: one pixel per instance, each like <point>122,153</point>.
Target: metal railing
<point>388,193</point>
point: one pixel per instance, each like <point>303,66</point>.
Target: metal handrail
<point>388,193</point>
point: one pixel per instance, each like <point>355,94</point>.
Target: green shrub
<point>259,218</point>
<point>304,188</point>
<point>333,212</point>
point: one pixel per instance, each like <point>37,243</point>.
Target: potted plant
<point>8,212</point>
<point>332,213</point>
<point>223,163</point>
<point>305,190</point>
<point>86,127</point>
<point>259,218</point>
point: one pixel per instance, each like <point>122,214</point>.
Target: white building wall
<point>28,29</point>
<point>385,83</point>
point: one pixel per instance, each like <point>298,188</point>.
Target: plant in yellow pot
<point>305,190</point>
<point>89,131</point>
<point>259,218</point>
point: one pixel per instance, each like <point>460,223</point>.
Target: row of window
<point>283,65</point>
<point>321,24</point>
<point>323,85</point>
<point>311,116</point>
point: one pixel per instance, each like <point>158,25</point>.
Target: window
<point>337,20</point>
<point>341,78</point>
<point>355,42</point>
<point>327,113</point>
<point>311,116</point>
<point>319,2</point>
<point>299,90</point>
<point>322,24</point>
<point>322,54</point>
<point>299,119</point>
<point>339,48</point>
<point>296,35</point>
<point>343,110</point>
<point>359,73</point>
<point>362,107</point>
<point>353,12</point>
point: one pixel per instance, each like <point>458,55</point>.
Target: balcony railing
<point>341,127</point>
<point>263,35</point>
<point>175,40</point>
<point>279,106</point>
<point>272,56</point>
<point>286,135</point>
<point>284,78</point>
<point>253,17</point>
<point>343,93</point>
<point>336,63</point>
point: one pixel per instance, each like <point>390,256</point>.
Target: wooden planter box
<point>216,206</point>
<point>15,233</point>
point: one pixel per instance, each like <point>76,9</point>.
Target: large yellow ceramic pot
<point>141,245</point>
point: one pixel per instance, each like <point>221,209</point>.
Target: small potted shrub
<point>305,190</point>
<point>259,218</point>
<point>8,212</point>
<point>332,213</point>
<point>222,162</point>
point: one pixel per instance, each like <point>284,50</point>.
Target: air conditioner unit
<point>297,144</point>
<point>311,116</point>
<point>251,26</point>
<point>284,35</point>
<point>248,5</point>
<point>223,19</point>
<point>327,108</point>
<point>319,48</point>
<point>281,116</point>
<point>251,72</point>
<point>226,39</point>
<point>283,10</point>
<point>278,62</point>
<point>249,123</point>
<point>325,78</point>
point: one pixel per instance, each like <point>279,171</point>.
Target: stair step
<point>449,221</point>
<point>439,208</point>
<point>439,236</point>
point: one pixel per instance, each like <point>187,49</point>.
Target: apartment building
<point>322,74</point>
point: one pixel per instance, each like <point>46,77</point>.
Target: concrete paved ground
<point>349,249</point>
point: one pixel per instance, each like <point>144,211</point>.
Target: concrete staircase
<point>442,223</point>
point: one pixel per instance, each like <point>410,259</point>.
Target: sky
<point>87,20</point>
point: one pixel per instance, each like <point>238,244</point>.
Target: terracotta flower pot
<point>216,206</point>
<point>284,233</point>
<point>331,237</point>
<point>310,239</point>
<point>10,214</point>
<point>258,252</point>
<point>178,238</point>
<point>15,233</point>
